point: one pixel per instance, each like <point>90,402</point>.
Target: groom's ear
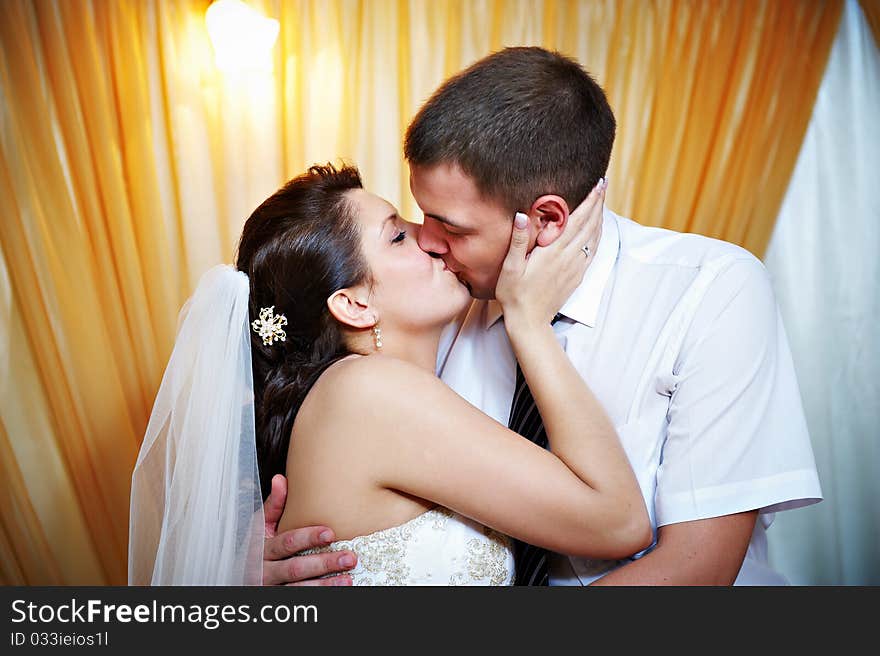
<point>552,214</point>
<point>350,307</point>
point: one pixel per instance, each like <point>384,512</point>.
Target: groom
<point>678,335</point>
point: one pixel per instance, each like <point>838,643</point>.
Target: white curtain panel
<point>824,259</point>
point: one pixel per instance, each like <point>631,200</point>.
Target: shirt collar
<point>583,305</point>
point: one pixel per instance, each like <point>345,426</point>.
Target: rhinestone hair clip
<point>268,326</point>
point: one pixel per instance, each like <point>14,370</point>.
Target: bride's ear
<point>350,307</point>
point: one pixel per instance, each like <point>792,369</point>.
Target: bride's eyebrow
<point>388,218</point>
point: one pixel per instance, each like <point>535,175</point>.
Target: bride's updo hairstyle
<point>297,248</point>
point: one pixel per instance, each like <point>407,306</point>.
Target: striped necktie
<point>531,562</point>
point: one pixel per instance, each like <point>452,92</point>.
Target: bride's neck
<point>418,349</point>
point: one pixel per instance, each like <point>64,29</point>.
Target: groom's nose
<point>430,239</point>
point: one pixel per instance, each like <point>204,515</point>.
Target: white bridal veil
<point>196,506</point>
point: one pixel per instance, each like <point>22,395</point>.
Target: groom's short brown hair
<point>521,122</point>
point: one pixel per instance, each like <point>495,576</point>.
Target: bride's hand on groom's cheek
<point>281,567</point>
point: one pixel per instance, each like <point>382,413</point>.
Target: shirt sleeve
<point>737,437</point>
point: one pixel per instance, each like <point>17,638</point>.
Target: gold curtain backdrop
<point>128,164</point>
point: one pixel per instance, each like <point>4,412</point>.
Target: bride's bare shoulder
<point>375,373</point>
<point>358,383</point>
<point>368,396</point>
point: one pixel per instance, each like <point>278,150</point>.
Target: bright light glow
<point>242,37</point>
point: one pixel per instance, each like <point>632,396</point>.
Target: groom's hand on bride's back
<point>281,567</point>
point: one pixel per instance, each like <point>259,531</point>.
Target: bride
<point>314,357</point>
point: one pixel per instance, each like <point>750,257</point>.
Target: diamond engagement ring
<point>586,250</point>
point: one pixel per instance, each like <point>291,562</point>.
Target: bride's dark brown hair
<point>297,248</point>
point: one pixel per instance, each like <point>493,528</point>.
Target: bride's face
<point>411,289</point>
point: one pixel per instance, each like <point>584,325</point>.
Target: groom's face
<point>470,232</point>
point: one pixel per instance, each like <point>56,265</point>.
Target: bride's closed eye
<point>401,235</point>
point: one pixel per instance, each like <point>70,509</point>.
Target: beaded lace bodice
<point>438,547</point>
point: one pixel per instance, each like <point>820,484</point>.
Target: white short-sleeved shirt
<point>680,338</point>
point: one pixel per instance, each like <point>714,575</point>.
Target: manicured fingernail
<point>325,536</point>
<point>601,184</point>
<point>343,580</point>
<point>521,220</point>
<point>346,561</point>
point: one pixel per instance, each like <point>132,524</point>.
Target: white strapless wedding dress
<point>438,547</point>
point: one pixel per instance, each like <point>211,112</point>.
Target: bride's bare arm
<point>421,438</point>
